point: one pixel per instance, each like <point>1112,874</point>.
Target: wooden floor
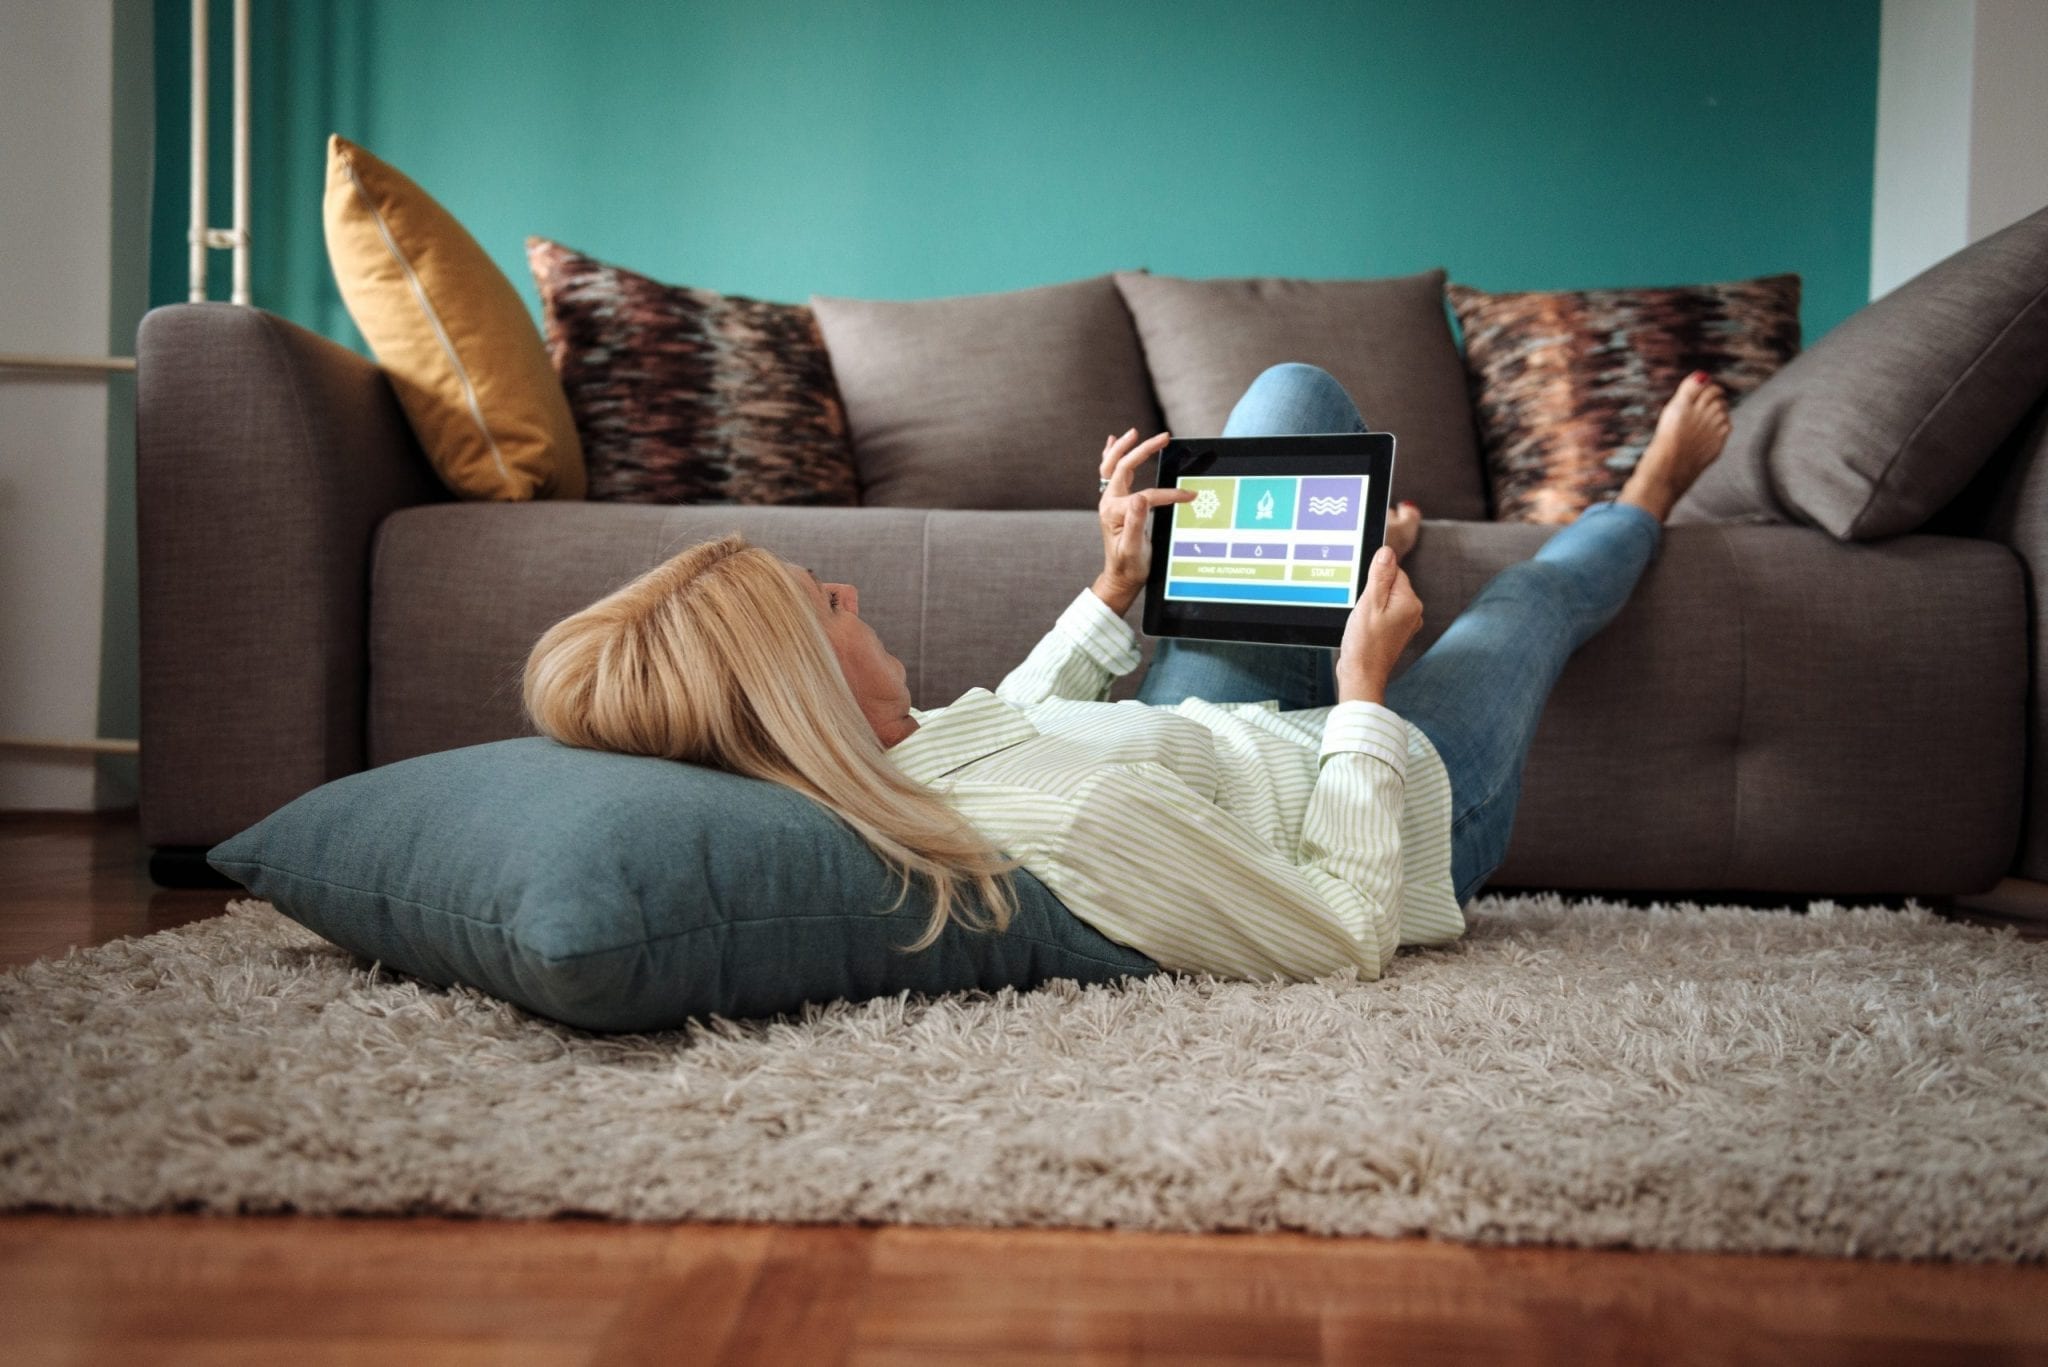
<point>300,1291</point>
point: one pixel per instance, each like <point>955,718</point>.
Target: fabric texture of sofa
<point>1777,710</point>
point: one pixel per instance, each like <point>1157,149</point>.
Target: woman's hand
<point>1404,527</point>
<point>1384,621</point>
<point>1126,559</point>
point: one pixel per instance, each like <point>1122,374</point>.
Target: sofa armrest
<point>266,456</point>
<point>2008,503</point>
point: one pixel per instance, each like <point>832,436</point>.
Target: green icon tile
<point>1227,569</point>
<point>1213,506</point>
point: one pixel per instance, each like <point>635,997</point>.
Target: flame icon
<point>1266,507</point>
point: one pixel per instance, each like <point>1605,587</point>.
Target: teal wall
<point>905,148</point>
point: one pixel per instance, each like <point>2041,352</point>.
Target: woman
<point>1258,812</point>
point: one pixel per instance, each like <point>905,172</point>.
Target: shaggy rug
<point>1836,1081</point>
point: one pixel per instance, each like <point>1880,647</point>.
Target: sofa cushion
<point>1887,418</point>
<point>690,396</point>
<point>987,400</point>
<point>1386,341</point>
<point>1762,715</point>
<point>1567,384</point>
<point>460,592</point>
<point>617,892</point>
<point>451,332</point>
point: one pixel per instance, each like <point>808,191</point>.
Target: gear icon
<point>1206,503</point>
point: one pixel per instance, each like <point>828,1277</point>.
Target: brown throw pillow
<point>688,396</point>
<point>1567,384</point>
<point>1386,341</point>
<point>987,400</point>
<point>1891,414</point>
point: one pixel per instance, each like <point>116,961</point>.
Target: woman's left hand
<point>1126,560</point>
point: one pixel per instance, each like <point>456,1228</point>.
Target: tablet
<point>1275,545</point>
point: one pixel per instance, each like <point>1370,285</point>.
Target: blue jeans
<point>1478,692</point>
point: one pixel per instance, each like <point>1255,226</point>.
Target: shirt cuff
<point>1106,637</point>
<point>1366,728</point>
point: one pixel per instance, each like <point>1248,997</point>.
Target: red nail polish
<point>1702,377</point>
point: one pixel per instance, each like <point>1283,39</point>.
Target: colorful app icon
<point>1265,504</point>
<point>1330,503</point>
<point>1214,501</point>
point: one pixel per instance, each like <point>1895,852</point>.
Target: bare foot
<point>1691,431</point>
<point>1404,525</point>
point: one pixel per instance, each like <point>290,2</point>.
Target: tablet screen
<point>1275,543</point>
<point>1268,539</point>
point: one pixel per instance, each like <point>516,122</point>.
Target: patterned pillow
<point>1567,384</point>
<point>688,396</point>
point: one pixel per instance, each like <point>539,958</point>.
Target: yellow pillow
<point>447,326</point>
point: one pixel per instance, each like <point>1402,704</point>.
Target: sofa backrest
<point>1004,400</point>
<point>460,592</point>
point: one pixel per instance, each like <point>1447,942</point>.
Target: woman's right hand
<point>1125,516</point>
<point>1383,622</point>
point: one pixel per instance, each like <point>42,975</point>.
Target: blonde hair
<point>717,657</point>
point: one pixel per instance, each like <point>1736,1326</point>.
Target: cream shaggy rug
<point>1839,1081</point>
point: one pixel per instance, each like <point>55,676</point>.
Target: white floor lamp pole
<point>199,236</point>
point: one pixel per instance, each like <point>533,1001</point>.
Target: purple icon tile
<point>1199,547</point>
<point>1322,551</point>
<point>1258,550</point>
<point>1328,503</point>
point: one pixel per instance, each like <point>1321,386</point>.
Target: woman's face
<point>877,678</point>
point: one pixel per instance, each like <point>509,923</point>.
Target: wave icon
<point>1325,507</point>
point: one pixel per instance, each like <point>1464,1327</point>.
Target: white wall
<point>64,264</point>
<point>1920,198</point>
<point>1962,128</point>
<point>2008,114</point>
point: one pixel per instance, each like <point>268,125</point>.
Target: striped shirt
<point>1231,839</point>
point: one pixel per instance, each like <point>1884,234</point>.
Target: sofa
<point>1779,710</point>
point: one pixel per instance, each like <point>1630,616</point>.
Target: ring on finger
<point>1102,486</point>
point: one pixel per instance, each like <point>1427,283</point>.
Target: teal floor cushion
<point>614,892</point>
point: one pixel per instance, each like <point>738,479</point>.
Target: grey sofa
<point>1776,712</point>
